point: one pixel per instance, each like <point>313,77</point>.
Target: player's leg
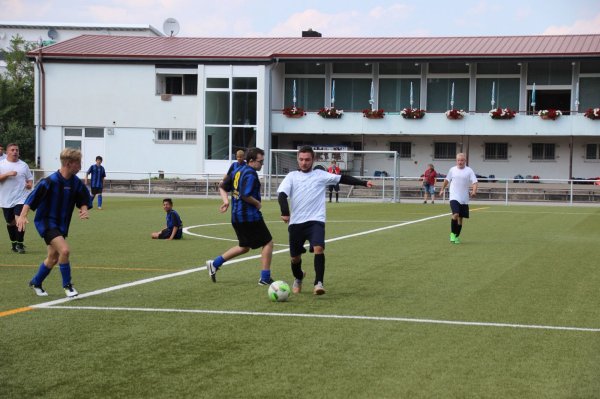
<point>454,229</point>
<point>337,193</point>
<point>11,227</point>
<point>61,246</point>
<point>20,235</point>
<point>296,241</point>
<point>317,241</point>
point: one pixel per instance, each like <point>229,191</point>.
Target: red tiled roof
<point>265,49</point>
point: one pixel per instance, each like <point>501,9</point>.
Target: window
<point>549,73</point>
<point>506,94</point>
<point>403,148</point>
<point>394,94</point>
<point>310,93</point>
<point>496,151</point>
<point>304,68</point>
<point>543,151</point>
<point>439,94</point>
<point>177,84</point>
<point>589,93</point>
<point>444,151</point>
<point>592,152</point>
<point>352,67</point>
<point>399,68</point>
<point>178,136</point>
<point>352,94</point>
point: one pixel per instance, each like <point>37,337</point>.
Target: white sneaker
<point>319,290</point>
<point>39,291</point>
<point>212,271</point>
<point>70,291</point>
<point>297,286</point>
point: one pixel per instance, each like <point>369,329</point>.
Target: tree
<point>17,99</point>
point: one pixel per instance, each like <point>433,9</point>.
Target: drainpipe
<point>41,106</point>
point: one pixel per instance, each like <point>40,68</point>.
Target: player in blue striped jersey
<point>97,180</point>
<point>54,199</point>
<point>246,218</point>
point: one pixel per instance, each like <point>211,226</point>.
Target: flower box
<point>502,113</point>
<point>331,113</point>
<point>412,113</point>
<point>549,113</point>
<point>592,113</point>
<point>294,112</point>
<point>373,113</point>
<point>455,114</point>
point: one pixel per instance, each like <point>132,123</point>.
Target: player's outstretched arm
<point>353,181</point>
<point>284,207</point>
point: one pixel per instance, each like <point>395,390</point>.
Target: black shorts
<point>461,209</point>
<point>166,233</point>
<point>51,234</point>
<point>335,187</point>
<point>11,213</point>
<point>252,234</point>
<point>312,231</point>
<point>96,190</point>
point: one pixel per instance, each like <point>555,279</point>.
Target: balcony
<point>434,124</point>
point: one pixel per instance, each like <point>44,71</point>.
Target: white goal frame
<point>390,182</point>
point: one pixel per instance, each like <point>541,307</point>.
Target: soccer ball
<point>279,291</point>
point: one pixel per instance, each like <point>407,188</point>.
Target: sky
<point>332,18</point>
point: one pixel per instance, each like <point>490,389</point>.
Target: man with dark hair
<point>246,217</point>
<point>173,230</point>
<point>16,181</point>
<point>54,199</point>
<point>306,190</point>
<point>97,181</point>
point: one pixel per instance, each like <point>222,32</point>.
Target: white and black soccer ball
<point>279,291</point>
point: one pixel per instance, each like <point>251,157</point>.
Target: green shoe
<point>456,240</point>
<point>452,237</point>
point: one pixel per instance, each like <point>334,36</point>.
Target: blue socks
<point>265,275</point>
<point>42,273</point>
<point>99,200</point>
<point>65,271</point>
<point>218,261</point>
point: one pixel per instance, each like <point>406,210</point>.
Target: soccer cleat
<point>266,282</point>
<point>70,291</point>
<point>39,291</point>
<point>297,286</point>
<point>452,237</point>
<point>319,290</point>
<point>457,240</point>
<point>20,248</point>
<point>212,271</point>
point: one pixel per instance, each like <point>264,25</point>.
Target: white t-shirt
<point>306,192</point>
<point>2,157</point>
<point>12,190</point>
<point>460,183</point>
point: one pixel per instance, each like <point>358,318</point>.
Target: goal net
<point>380,167</point>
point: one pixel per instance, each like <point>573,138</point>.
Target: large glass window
<point>496,151</point>
<point>244,108</point>
<point>549,73</point>
<point>589,93</point>
<point>394,94</point>
<point>543,151</point>
<point>352,94</point>
<point>217,142</point>
<point>217,108</point>
<point>243,138</point>
<point>439,93</point>
<point>506,94</point>
<point>310,93</point>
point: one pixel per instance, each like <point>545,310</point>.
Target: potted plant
<point>373,113</point>
<point>294,112</point>
<point>455,114</point>
<point>502,113</point>
<point>549,113</point>
<point>592,113</point>
<point>412,113</point>
<point>330,113</point>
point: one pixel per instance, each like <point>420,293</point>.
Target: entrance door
<point>92,147</point>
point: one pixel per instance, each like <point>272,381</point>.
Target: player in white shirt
<point>306,190</point>
<point>16,181</point>
<point>463,186</point>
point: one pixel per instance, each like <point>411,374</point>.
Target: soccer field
<point>511,312</point>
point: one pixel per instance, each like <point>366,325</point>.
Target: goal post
<point>381,167</point>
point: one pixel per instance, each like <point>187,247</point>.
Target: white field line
<point>229,262</point>
<point>331,316</point>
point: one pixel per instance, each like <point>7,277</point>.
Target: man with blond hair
<point>54,199</point>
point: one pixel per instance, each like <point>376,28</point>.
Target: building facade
<point>185,105</point>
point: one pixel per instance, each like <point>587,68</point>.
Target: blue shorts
<point>312,231</point>
<point>461,209</point>
<point>429,188</point>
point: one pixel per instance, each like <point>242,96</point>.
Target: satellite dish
<point>52,33</point>
<point>171,27</point>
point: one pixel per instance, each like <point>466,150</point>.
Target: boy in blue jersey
<point>97,181</point>
<point>54,199</point>
<point>246,218</point>
<point>173,231</point>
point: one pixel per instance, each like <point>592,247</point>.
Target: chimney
<point>310,33</point>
